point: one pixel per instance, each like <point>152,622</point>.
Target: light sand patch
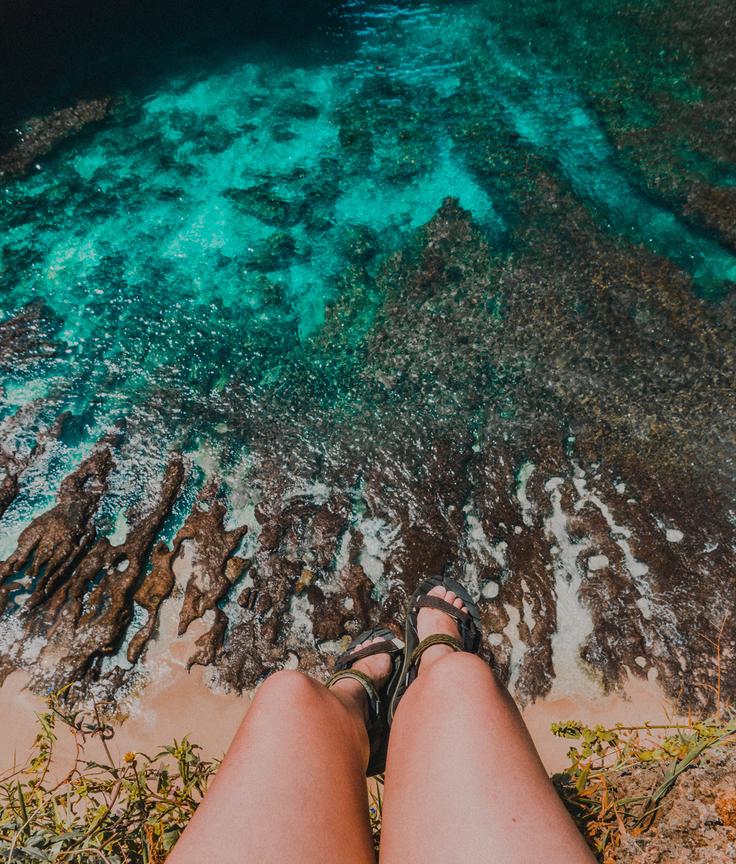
<point>183,705</point>
<point>641,701</point>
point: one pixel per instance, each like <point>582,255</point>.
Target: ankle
<point>353,697</point>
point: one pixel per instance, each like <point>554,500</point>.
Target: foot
<point>430,621</point>
<point>377,667</point>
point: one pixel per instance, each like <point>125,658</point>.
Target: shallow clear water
<point>196,240</point>
<point>233,265</point>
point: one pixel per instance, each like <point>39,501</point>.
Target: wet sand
<point>640,702</point>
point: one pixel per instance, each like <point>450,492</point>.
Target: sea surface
<point>194,254</point>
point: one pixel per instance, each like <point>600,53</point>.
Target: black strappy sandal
<point>468,624</point>
<point>378,701</point>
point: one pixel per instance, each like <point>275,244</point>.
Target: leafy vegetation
<point>133,810</point>
<point>592,784</point>
<point>127,812</point>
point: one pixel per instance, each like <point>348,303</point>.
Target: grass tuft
<point>592,785</point>
<point>132,810</point>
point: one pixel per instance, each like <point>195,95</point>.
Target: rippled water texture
<point>201,235</point>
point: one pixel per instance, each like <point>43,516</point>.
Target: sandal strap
<point>368,685</point>
<point>434,639</point>
<point>385,647</point>
<point>432,602</point>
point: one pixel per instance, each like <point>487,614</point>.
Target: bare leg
<point>292,786</point>
<point>463,780</point>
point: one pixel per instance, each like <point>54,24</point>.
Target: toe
<point>458,603</point>
<point>450,597</point>
<point>365,645</point>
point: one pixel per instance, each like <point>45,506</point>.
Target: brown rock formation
<point>213,568</point>
<point>24,337</point>
<point>50,548</point>
<point>298,537</point>
<point>209,644</point>
<point>82,601</point>
<point>214,572</point>
<point>39,135</point>
<point>156,586</point>
<point>566,457</point>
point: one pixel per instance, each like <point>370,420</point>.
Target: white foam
<point>480,549</point>
<point>574,621</point>
<point>518,648</point>
<point>527,508</point>
<point>528,613</point>
<point>645,605</point>
<point>332,583</point>
<point>119,530</point>
<point>379,540</point>
<point>302,631</point>
<point>597,562</point>
<point>292,661</point>
<point>490,590</point>
<point>638,570</point>
<point>319,492</point>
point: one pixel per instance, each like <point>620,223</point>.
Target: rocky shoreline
<point>544,412</point>
<point>598,543</point>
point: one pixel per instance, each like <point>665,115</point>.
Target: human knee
<point>288,706</point>
<point>288,687</point>
<point>459,667</point>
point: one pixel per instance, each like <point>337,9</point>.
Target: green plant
<point>592,780</point>
<point>132,811</point>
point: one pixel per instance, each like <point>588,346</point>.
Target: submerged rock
<point>266,205</point>
<point>550,431</point>
<point>26,337</point>
<point>38,136</point>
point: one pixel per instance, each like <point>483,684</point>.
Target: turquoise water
<point>194,242</point>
